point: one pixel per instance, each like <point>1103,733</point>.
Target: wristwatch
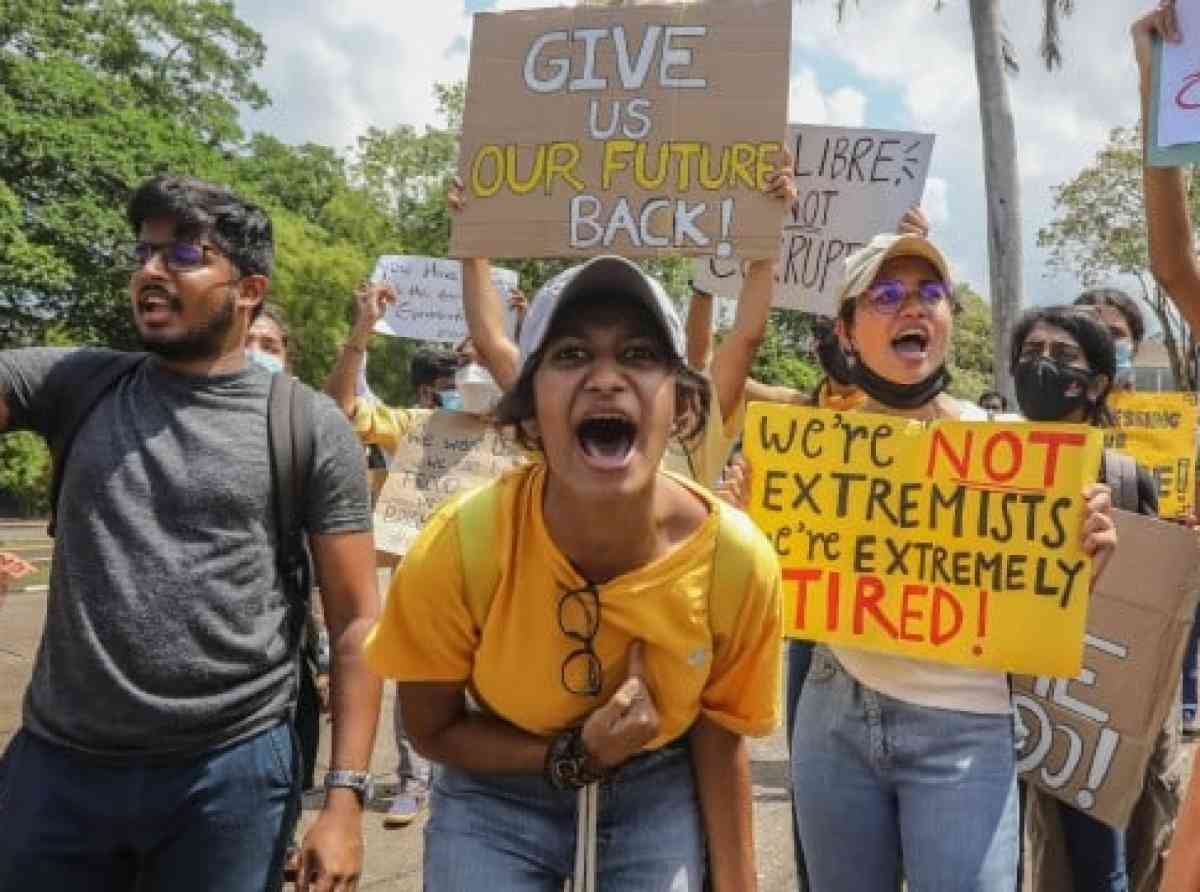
<point>358,781</point>
<point>569,766</point>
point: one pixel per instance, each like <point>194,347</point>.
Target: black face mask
<point>1048,391</point>
<point>898,396</point>
<point>833,361</point>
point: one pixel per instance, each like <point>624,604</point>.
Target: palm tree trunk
<point>1001,182</point>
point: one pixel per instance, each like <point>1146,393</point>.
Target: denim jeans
<point>1095,850</point>
<point>877,780</point>
<point>517,833</point>
<point>1191,702</point>
<point>218,822</point>
<point>799,659</point>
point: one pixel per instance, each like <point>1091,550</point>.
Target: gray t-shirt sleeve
<point>338,500</point>
<point>40,383</point>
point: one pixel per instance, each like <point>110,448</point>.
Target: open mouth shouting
<point>606,441</point>
<point>912,344</point>
<point>155,305</point>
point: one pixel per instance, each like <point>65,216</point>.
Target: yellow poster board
<point>957,542</point>
<point>1159,431</point>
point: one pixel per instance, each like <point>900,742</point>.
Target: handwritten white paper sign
<point>854,183</point>
<point>1179,82</point>
<point>428,303</point>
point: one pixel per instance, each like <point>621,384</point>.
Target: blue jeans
<point>517,833</point>
<point>1190,699</point>
<point>799,658</point>
<point>876,780</point>
<point>218,822</point>
<point>1095,850</point>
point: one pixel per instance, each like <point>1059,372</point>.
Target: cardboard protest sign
<point>640,131</point>
<point>441,454</point>
<point>428,303</point>
<point>1159,431</point>
<point>854,184</point>
<point>956,542</point>
<point>1090,735</point>
<point>1174,137</point>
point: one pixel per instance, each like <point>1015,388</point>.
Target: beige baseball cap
<point>863,265</point>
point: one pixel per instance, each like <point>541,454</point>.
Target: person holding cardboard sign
<point>615,624</point>
<point>1064,363</point>
<point>888,751</point>
<point>703,456</point>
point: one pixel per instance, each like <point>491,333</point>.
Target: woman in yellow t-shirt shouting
<point>589,620</point>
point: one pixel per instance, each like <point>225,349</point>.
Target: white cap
<point>863,265</point>
<point>608,274</point>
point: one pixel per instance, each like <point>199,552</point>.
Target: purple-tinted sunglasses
<point>888,296</point>
<point>178,256</point>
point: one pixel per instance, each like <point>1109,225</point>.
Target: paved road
<point>393,857</point>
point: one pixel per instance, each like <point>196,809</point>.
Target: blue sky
<point>334,69</point>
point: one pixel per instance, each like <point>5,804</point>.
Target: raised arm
<point>1168,222</point>
<point>699,329</point>
<point>731,363</point>
<point>483,308</point>
<point>370,303</point>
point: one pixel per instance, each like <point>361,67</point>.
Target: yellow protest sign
<point>957,542</point>
<point>1159,431</point>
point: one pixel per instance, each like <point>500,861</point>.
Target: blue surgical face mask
<point>1124,351</point>
<point>272,364</point>
<point>450,400</point>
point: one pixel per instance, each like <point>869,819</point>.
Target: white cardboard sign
<point>854,183</point>
<point>1179,82</point>
<point>428,303</point>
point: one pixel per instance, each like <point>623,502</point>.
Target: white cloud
<point>1062,118</point>
<point>936,202</point>
<point>335,69</point>
<point>808,103</point>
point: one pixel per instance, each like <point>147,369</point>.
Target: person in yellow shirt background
<point>573,623</point>
<point>442,379</point>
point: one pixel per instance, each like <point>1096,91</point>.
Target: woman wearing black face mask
<point>1063,362</point>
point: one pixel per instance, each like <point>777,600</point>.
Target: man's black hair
<point>241,230</point>
<point>1089,333</point>
<point>1122,303</point>
<point>429,364</point>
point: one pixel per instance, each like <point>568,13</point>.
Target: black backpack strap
<point>94,390</point>
<point>1120,473</point>
<point>290,435</point>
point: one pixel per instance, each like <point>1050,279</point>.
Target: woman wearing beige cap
<point>897,761</point>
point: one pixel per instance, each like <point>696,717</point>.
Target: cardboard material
<point>641,131</point>
<point>955,542</point>
<point>1090,737</point>
<point>442,454</point>
<point>1159,431</point>
<point>854,183</point>
<point>428,303</point>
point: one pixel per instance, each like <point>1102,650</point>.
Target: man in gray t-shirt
<point>156,749</point>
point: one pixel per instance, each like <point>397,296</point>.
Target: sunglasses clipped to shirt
<point>888,296</point>
<point>178,256</point>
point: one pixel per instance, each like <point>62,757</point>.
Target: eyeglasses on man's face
<point>178,256</point>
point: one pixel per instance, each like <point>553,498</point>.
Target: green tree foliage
<point>971,358</point>
<point>96,95</point>
<point>1099,232</point>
